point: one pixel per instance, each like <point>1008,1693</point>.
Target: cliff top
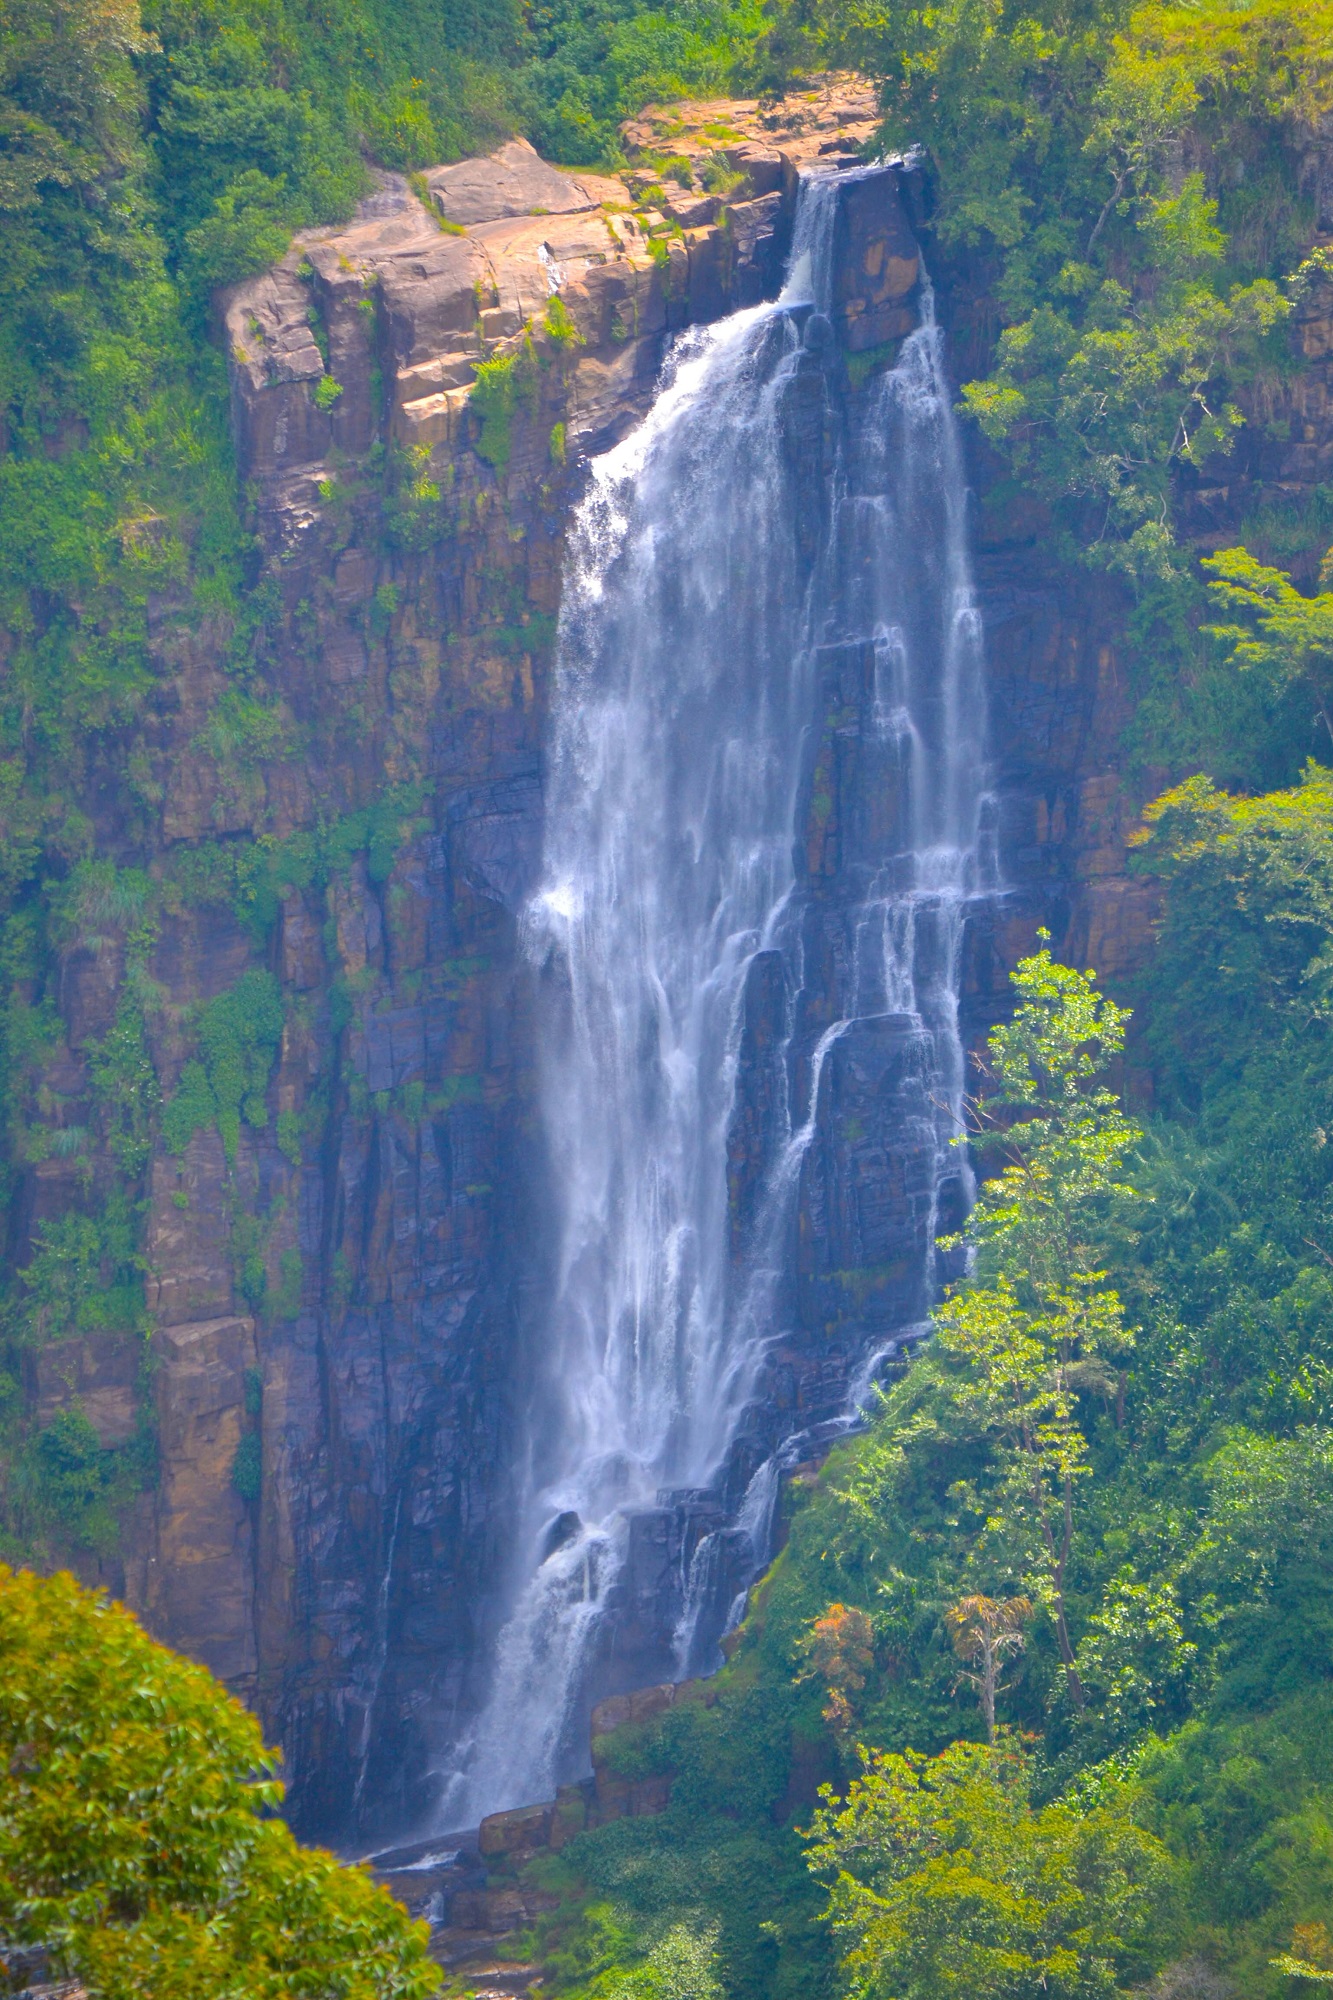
<point>832,118</point>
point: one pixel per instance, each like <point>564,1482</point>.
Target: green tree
<point>1023,1343</point>
<point>1059,1131</point>
<point>984,1445</point>
<point>1014,1376</point>
<point>946,1879</point>
<point>137,1842</point>
<point>1287,637</point>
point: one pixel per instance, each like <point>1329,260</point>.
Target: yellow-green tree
<point>1284,635</point>
<point>1019,1345</point>
<point>138,1836</point>
<point>945,1880</point>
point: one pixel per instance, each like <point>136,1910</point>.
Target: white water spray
<point>694,615</point>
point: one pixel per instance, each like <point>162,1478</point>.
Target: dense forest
<point>1054,1632</point>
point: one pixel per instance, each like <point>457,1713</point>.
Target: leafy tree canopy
<point>946,1880</point>
<point>137,1841</point>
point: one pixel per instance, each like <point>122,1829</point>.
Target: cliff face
<point>338,1279</point>
<point>410,537</point>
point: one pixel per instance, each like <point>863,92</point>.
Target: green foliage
<point>1246,1800</point>
<point>1289,637</point>
<point>1013,1378</point>
<point>682,1965</point>
<point>946,1880</point>
<point>721,1869</point>
<point>503,387</point>
<point>595,61</point>
<point>247,1468</point>
<point>84,1275</point>
<point>243,732</point>
<point>124,1085</point>
<point>247,228</point>
<point>1106,406</point>
<point>559,323</point>
<point>413,514</point>
<point>65,1486</point>
<point>1257,873</point>
<point>1061,1158</point>
<point>239,1032</point>
<point>133,1836</point>
<point>326,392</point>
<point>115,483</point>
<point>248,878</point>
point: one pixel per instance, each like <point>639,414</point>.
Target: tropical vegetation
<point>1039,1695</point>
<point>140,1848</point>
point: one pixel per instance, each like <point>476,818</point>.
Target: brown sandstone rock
<point>97,1375</point>
<point>201,1589</point>
<point>520,1831</point>
<point>515,181</point>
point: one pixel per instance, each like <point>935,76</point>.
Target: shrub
<point>239,1033</point>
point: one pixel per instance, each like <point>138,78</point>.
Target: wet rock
<point>876,262</point>
<point>563,1530</point>
<point>521,1831</point>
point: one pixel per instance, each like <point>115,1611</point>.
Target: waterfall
<point>720,552</point>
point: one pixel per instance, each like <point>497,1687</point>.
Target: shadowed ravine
<point>723,553</point>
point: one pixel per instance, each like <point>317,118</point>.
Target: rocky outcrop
<point>478,1896</point>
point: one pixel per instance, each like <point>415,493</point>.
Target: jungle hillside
<point>1038,1695</point>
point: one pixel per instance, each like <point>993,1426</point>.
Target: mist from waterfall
<point>702,580</point>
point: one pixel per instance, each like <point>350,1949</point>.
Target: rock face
<point>412,548</point>
<point>477,1897</point>
<point>337,1291</point>
<point>203,1576</point>
<point>385,1410</point>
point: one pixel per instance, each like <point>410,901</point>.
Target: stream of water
<point>694,613</point>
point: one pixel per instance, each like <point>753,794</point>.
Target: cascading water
<point>719,554</point>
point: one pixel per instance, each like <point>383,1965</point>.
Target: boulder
<point>520,1831</point>
<point>514,181</point>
